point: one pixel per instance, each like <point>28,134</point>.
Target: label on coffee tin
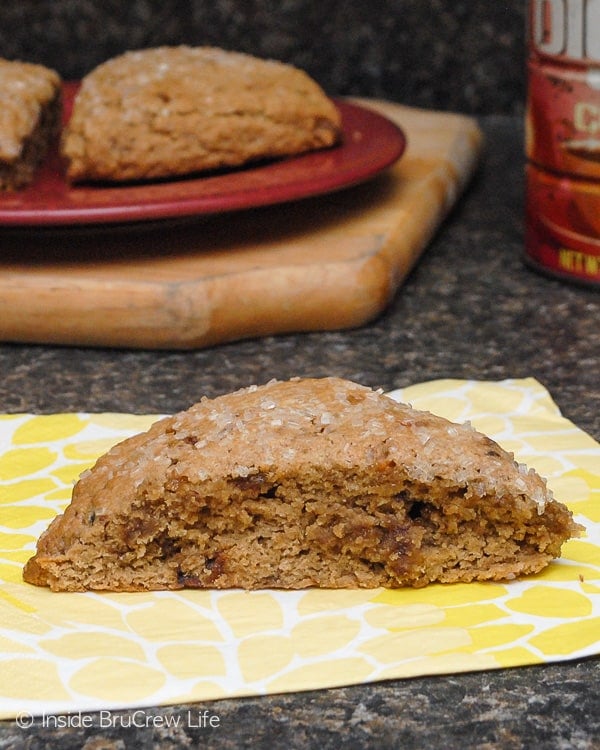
<point>564,119</point>
<point>563,138</point>
<point>563,225</point>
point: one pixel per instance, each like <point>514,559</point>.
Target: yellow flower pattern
<point>70,652</point>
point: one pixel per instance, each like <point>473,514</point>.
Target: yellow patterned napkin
<point>76,652</point>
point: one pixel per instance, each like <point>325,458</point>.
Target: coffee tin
<point>562,139</point>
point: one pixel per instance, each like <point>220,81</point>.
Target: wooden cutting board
<point>324,263</point>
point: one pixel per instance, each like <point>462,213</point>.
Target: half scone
<point>30,116</point>
<point>170,111</point>
<point>296,484</point>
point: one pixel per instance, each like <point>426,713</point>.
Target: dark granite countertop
<point>468,57</point>
<point>470,309</point>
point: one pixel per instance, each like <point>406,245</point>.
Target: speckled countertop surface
<point>461,56</point>
<point>470,309</point>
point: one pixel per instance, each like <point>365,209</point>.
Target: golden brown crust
<point>29,119</point>
<point>170,111</point>
<point>301,483</point>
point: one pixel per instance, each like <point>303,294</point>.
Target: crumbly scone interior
<point>340,532</point>
<point>344,532</point>
<point>30,118</point>
<point>20,172</point>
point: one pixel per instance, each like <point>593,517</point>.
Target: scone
<point>298,484</point>
<point>169,111</point>
<point>30,114</point>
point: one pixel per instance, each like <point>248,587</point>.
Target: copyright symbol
<point>24,720</point>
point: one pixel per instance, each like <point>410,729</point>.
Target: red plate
<point>371,143</point>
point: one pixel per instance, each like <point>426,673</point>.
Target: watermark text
<point>105,719</point>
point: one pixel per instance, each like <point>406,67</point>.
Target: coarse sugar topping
<point>329,420</point>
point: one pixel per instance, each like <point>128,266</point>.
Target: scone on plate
<point>304,483</point>
<point>169,111</point>
<point>30,115</point>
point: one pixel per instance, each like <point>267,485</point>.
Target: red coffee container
<point>562,139</point>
